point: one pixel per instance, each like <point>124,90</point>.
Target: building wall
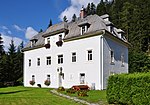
<point>71,69</point>
<point>116,67</point>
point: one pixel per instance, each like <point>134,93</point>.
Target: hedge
<point>129,89</point>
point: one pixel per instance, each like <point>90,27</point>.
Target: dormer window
<point>59,43</point>
<point>47,45</point>
<point>83,29</point>
<point>33,42</point>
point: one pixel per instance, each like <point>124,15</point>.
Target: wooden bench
<point>80,87</point>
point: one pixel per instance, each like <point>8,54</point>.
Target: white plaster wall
<point>117,67</point>
<point>70,69</point>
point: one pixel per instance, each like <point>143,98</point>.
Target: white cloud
<point>18,28</point>
<point>7,40</point>
<point>4,27</point>
<point>75,7</point>
<point>9,32</point>
<point>30,32</point>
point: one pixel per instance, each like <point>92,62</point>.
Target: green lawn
<point>31,96</point>
<point>94,96</point>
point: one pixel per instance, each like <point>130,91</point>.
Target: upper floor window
<point>48,60</point>
<point>38,61</point>
<point>60,59</point>
<point>112,56</point>
<point>90,55</point>
<point>74,57</point>
<point>60,37</point>
<point>48,40</point>
<point>29,62</point>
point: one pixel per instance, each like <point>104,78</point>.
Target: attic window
<point>83,29</point>
<point>33,42</point>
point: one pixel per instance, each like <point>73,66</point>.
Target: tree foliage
<point>50,23</point>
<point>65,19</point>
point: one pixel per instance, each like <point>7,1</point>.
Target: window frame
<point>48,77</point>
<point>74,56</point>
<point>29,62</point>
<point>112,57</point>
<point>82,78</point>
<point>60,59</point>
<point>33,77</point>
<point>48,60</point>
<point>122,59</point>
<point>38,62</point>
<point>89,55</point>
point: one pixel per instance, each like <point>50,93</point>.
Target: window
<point>48,77</point>
<point>48,40</point>
<point>82,78</point>
<point>122,59</point>
<point>74,57</point>
<point>38,61</point>
<point>29,62</point>
<point>48,60</point>
<point>89,55</point>
<point>60,59</point>
<point>83,29</point>
<point>60,37</point>
<point>33,78</point>
<point>112,56</point>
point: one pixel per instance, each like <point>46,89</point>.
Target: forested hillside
<point>133,16</point>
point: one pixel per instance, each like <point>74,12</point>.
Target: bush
<point>129,89</point>
<point>82,93</point>
<point>61,89</point>
<point>71,91</point>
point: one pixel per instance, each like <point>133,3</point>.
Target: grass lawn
<point>94,96</point>
<point>31,96</point>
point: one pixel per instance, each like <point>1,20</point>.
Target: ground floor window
<point>33,77</point>
<point>82,78</point>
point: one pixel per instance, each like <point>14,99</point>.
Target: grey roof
<point>72,29</point>
<point>104,16</point>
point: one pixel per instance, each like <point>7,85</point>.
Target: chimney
<point>82,13</point>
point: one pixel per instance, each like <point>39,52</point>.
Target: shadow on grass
<point>13,92</point>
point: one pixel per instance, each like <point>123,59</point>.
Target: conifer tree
<point>74,18</point>
<point>50,24</point>
<point>65,19</point>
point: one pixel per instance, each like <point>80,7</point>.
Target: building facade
<point>86,51</point>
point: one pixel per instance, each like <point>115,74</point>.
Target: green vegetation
<point>94,96</point>
<point>129,89</point>
<point>31,96</point>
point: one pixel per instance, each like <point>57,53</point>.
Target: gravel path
<point>72,98</point>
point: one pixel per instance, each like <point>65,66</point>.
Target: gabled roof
<point>73,29</point>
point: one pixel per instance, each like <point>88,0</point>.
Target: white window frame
<point>74,57</point>
<point>82,78</point>
<point>89,55</point>
<point>48,60</point>
<point>38,62</point>
<point>60,59</point>
<point>112,56</point>
<point>122,60</point>
<point>48,40</point>
<point>83,29</point>
<point>48,77</point>
<point>29,62</point>
<point>33,77</point>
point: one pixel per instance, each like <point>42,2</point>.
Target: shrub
<point>82,93</point>
<point>129,89</point>
<point>47,82</point>
<point>32,82</point>
<point>61,89</point>
<point>71,91</point>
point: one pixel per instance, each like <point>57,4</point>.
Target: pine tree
<point>50,23</point>
<point>101,8</point>
<point>1,46</point>
<point>93,8</point>
<point>88,9</point>
<point>40,31</point>
<point>74,18</point>
<point>65,19</point>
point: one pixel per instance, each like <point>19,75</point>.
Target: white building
<point>86,51</point>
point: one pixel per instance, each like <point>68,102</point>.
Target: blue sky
<point>22,19</point>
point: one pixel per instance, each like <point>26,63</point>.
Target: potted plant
<point>47,82</point>
<point>32,82</point>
